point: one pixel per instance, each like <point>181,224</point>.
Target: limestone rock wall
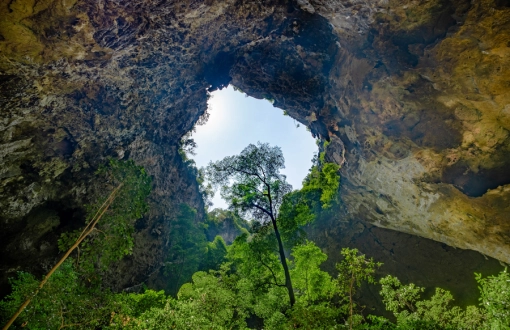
<point>423,114</point>
<point>416,107</point>
<point>83,81</point>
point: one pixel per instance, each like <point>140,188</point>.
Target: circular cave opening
<point>237,120</point>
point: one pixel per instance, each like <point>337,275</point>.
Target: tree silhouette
<point>252,184</point>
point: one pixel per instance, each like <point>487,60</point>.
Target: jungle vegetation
<point>269,277</point>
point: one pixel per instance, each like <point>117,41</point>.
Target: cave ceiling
<point>413,96</point>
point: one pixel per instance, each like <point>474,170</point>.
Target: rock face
<point>414,97</point>
<point>416,107</point>
<point>411,258</point>
<point>423,116</point>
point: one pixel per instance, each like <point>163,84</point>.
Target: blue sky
<point>236,121</point>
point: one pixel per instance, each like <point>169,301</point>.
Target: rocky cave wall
<point>416,106</point>
<point>426,127</point>
<point>414,97</point>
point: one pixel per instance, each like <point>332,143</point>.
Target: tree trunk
<point>288,282</point>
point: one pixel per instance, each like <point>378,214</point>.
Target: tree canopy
<point>253,185</point>
<point>251,182</point>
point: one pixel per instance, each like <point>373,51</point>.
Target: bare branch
<point>272,273</point>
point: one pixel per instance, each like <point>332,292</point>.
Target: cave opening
<point>237,120</point>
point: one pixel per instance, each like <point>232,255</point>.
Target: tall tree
<point>252,184</point>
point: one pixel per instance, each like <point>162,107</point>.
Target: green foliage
<point>434,313</point>
<point>254,258</point>
<point>381,323</point>
<point>215,253</point>
<point>301,207</point>
<point>253,185</point>
<point>399,299</point>
<point>113,237</point>
<point>326,181</point>
<point>352,271</point>
<point>135,304</point>
<point>189,250</point>
<point>210,301</point>
<point>260,276</point>
<point>63,301</point>
<point>322,155</point>
<point>219,220</point>
<point>355,268</point>
<point>251,182</point>
<point>213,296</point>
<point>206,190</point>
<point>495,299</point>
<point>312,283</point>
<point>298,209</point>
<point>438,309</point>
<point>187,247</point>
<point>316,289</point>
<point>249,283</point>
<point>187,147</point>
<point>318,316</point>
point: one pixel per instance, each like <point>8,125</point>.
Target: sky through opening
<point>237,120</point>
